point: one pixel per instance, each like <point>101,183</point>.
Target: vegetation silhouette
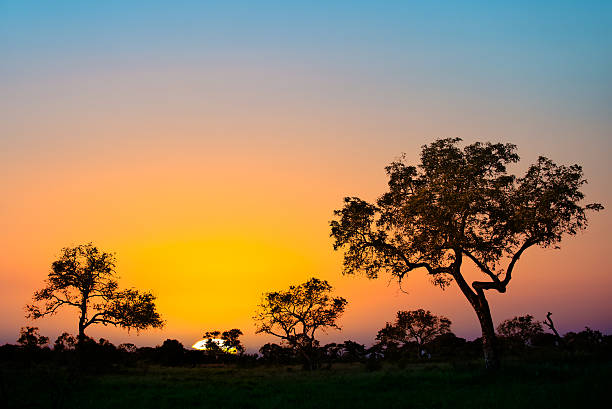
<point>230,342</point>
<point>417,327</point>
<point>523,329</point>
<point>29,337</point>
<point>85,278</point>
<point>65,342</point>
<point>33,375</point>
<point>461,204</point>
<point>296,314</point>
<point>548,322</point>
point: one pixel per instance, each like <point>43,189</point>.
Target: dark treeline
<point>397,344</point>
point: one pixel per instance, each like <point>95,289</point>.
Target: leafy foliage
<point>85,278</point>
<point>29,337</point>
<point>522,328</point>
<point>296,314</point>
<point>459,203</point>
<point>64,342</point>
<point>231,341</point>
<point>418,326</point>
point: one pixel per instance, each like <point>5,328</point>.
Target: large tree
<point>461,204</point>
<point>84,278</point>
<point>296,314</point>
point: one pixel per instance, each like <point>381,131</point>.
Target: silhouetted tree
<point>296,314</point>
<point>127,347</point>
<point>85,278</point>
<point>64,342</point>
<point>30,338</point>
<point>352,351</point>
<point>418,326</point>
<point>587,340</point>
<point>446,345</point>
<point>456,205</point>
<point>171,352</point>
<point>276,354</point>
<point>230,342</point>
<point>523,328</point>
<point>551,326</point>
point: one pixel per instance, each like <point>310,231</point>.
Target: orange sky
<point>210,158</point>
<point>209,231</point>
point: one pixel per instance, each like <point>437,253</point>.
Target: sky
<point>208,143</point>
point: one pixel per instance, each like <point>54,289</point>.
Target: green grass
<point>561,385</point>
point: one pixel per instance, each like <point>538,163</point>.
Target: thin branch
<point>481,266</point>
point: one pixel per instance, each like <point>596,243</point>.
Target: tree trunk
<point>308,355</point>
<point>81,338</point>
<point>478,301</point>
<point>489,340</point>
<point>82,319</point>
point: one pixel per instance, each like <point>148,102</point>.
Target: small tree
<point>171,352</point>
<point>277,354</point>
<point>418,326</point>
<point>127,347</point>
<point>30,338</point>
<point>522,328</point>
<point>64,342</point>
<point>84,278</point>
<point>352,351</point>
<point>461,205</point>
<point>230,341</point>
<point>296,314</point>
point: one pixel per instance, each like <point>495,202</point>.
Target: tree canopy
<point>523,328</point>
<point>29,337</point>
<point>418,326</point>
<point>230,341</point>
<point>84,277</point>
<point>296,314</point>
<point>461,204</point>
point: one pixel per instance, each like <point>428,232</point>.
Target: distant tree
<point>330,352</point>
<point>127,347</point>
<point>447,345</point>
<point>64,342</point>
<point>277,354</point>
<point>296,314</point>
<point>171,352</point>
<point>30,338</point>
<point>456,205</point>
<point>84,278</point>
<point>230,341</point>
<point>523,329</point>
<point>586,340</point>
<point>389,342</point>
<point>418,326</point>
<point>551,326</point>
<point>352,351</point>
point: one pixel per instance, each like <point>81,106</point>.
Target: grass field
<point>561,385</point>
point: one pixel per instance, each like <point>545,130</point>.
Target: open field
<point>528,385</point>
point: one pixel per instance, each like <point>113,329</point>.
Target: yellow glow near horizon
<point>202,345</point>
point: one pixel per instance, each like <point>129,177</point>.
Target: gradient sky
<point>208,145</point>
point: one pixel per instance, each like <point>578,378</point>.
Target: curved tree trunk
<point>489,340</point>
<point>478,301</point>
<point>81,338</point>
<point>82,319</point>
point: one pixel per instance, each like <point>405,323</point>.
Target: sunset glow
<point>210,156</point>
<point>202,345</point>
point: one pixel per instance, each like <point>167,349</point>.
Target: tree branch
<point>528,243</point>
<point>481,266</point>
